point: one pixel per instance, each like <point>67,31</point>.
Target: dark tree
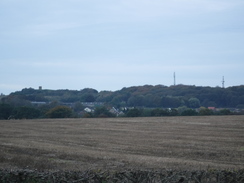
<point>102,111</point>
<point>133,113</point>
<point>225,112</point>
<point>26,113</point>
<point>205,111</point>
<point>159,112</point>
<point>189,112</point>
<point>5,111</point>
<point>194,102</point>
<point>59,112</point>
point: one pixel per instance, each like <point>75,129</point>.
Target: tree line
<point>133,101</point>
<point>142,96</point>
<point>59,111</point>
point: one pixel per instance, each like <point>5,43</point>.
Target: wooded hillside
<point>133,101</point>
<point>142,96</point>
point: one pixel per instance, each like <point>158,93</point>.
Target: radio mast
<point>223,82</point>
<point>174,78</point>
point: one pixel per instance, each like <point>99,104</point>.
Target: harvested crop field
<point>118,144</point>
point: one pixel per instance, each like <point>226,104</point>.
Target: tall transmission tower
<point>223,82</point>
<point>174,78</point>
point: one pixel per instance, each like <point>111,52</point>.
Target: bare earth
<point>185,143</point>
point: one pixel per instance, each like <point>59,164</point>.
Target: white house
<point>88,109</point>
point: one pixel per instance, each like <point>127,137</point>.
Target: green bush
<point>59,112</point>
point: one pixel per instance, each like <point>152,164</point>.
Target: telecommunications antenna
<point>223,82</point>
<point>174,78</point>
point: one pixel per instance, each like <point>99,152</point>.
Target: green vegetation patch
<point>241,148</point>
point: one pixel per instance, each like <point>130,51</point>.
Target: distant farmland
<point>182,143</point>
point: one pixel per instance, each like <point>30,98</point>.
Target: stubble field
<point>181,143</point>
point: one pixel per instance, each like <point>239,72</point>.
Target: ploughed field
<point>178,143</point>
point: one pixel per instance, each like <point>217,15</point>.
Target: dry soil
<point>185,143</point>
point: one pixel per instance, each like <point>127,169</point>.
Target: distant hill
<point>141,96</point>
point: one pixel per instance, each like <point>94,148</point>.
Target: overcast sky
<point>111,44</point>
